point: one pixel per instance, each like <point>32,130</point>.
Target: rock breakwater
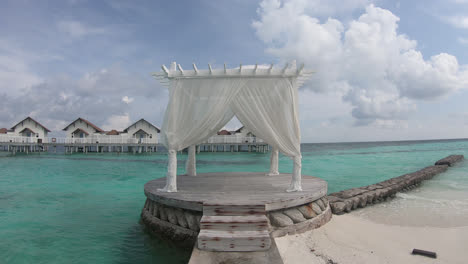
<point>348,200</point>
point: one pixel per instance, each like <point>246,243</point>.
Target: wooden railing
<point>218,139</point>
<point>104,139</point>
<point>88,140</point>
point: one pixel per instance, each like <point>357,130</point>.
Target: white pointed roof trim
<point>255,71</point>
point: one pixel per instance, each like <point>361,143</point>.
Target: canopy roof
<point>201,102</point>
<point>249,71</point>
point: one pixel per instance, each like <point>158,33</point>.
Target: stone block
<point>349,205</point>
<point>320,204</point>
<point>307,211</point>
<point>355,202</point>
<point>162,213</point>
<point>295,215</point>
<point>171,216</point>
<point>316,208</point>
<point>450,160</point>
<point>338,208</point>
<point>362,200</point>
<point>325,201</point>
<point>279,219</point>
<point>192,221</point>
<point>333,199</point>
<point>181,221</point>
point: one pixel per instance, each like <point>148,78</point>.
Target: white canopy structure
<point>201,102</point>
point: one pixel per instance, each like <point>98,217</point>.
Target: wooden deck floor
<point>236,188</point>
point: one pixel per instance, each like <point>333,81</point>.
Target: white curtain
<point>269,108</point>
<point>197,109</point>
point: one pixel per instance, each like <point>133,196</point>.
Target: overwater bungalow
<point>30,128</point>
<point>143,131</point>
<point>84,136</point>
<point>82,129</point>
<point>24,136</point>
<point>237,140</point>
<point>80,136</point>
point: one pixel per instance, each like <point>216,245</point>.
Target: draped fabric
<point>198,108</point>
<point>269,108</point>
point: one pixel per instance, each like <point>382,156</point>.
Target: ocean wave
<point>455,203</point>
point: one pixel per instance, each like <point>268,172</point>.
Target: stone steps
<point>217,240</point>
<point>234,223</point>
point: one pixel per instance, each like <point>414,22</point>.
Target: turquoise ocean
<point>85,208</point>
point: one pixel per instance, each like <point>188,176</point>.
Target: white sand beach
<point>350,238</point>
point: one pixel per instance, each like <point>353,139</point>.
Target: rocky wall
<point>299,219</point>
<point>173,223</point>
<point>348,200</point>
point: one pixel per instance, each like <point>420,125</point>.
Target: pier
<point>232,143</point>
<point>97,144</point>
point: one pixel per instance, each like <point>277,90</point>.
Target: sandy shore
<point>352,239</point>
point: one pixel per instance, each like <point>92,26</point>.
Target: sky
<point>385,70</point>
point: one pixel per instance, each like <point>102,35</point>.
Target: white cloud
<point>127,100</point>
<point>96,96</point>
<point>463,40</point>
<point>117,122</point>
<point>15,73</point>
<point>378,71</point>
<point>458,21</point>
<point>77,29</point>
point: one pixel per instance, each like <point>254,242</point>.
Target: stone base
<point>304,226</point>
<point>175,224</point>
<point>234,212</point>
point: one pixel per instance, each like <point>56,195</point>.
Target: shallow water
<point>439,202</point>
<point>81,208</point>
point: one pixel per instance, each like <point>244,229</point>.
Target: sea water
<point>85,208</point>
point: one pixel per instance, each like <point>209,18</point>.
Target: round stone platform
<point>234,211</point>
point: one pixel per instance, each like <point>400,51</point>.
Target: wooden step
<point>234,223</point>
<point>233,210</point>
<point>215,240</point>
